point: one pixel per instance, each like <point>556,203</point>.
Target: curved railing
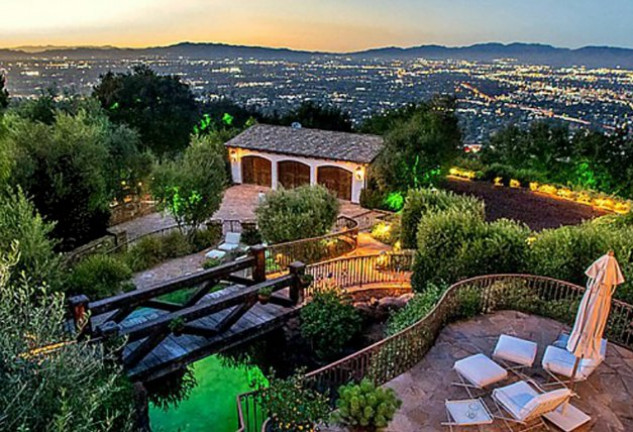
<point>315,249</point>
<point>398,353</point>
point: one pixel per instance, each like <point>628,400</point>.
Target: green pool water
<point>211,404</point>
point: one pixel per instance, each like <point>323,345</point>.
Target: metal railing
<point>398,353</point>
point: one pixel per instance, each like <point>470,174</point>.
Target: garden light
<point>514,183</point>
<point>360,172</point>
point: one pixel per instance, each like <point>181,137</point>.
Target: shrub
<point>387,232</point>
<point>566,252</point>
<point>292,404</point>
<point>19,221</point>
<point>286,215</point>
<point>175,245</point>
<point>99,276</point>
<point>507,173</point>
<point>416,309</point>
<point>453,245</point>
<point>329,321</point>
<point>211,262</point>
<point>146,253</point>
<point>77,387</point>
<point>205,238</point>
<point>365,407</point>
<point>421,202</point>
<point>251,235</point>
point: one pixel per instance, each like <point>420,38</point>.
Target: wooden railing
<point>398,353</point>
<point>315,249</point>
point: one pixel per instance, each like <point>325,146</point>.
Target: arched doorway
<point>337,180</point>
<point>292,174</point>
<point>256,170</point>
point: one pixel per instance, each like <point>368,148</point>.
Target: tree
<point>293,214</point>
<point>20,222</point>
<point>191,187</point>
<point>161,108</point>
<point>315,116</point>
<point>420,147</point>
<point>70,386</point>
<point>63,168</point>
<point>4,93</point>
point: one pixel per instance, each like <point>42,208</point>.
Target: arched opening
<point>337,180</point>
<point>292,174</point>
<point>256,170</point>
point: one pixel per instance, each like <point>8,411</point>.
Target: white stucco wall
<point>237,154</point>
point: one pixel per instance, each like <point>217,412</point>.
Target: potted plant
<point>263,295</point>
<point>364,407</point>
<point>292,405</point>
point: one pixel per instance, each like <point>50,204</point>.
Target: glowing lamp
<point>533,186</point>
<point>360,173</point>
<point>234,155</point>
<point>497,181</point>
<point>514,183</point>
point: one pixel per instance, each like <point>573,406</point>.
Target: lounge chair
<point>478,371</point>
<point>526,405</point>
<point>466,413</point>
<point>231,242</point>
<point>515,353</point>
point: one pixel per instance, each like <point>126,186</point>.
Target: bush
<point>365,407</point>
<point>174,245</point>
<point>329,321</point>
<point>416,309</point>
<point>566,252</point>
<point>205,238</point>
<point>19,221</point>
<point>100,276</point>
<point>292,404</point>
<point>507,173</point>
<point>146,253</point>
<point>421,202</point>
<point>387,232</point>
<point>453,245</point>
<point>286,215</point>
<point>211,262</point>
<point>251,235</point>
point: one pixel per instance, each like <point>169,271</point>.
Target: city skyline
<point>310,25</point>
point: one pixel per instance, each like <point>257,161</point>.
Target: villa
<point>291,156</point>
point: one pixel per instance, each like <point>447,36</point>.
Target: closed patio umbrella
<point>586,336</point>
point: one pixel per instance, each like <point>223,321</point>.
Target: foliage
<point>251,235</point>
<point>422,202</point>
<point>63,168</point>
<point>75,387</point>
<point>303,212</point>
<point>205,238</point>
<point>507,173</point>
<point>161,108</point>
<point>144,254</point>
<point>329,322</point>
<point>470,303</point>
<point>100,276</point>
<point>19,221</point>
<point>211,262</point>
<point>170,390</point>
<point>387,232</point>
<point>265,291</point>
<point>191,187</point>
<point>453,245</point>
<point>415,309</point>
<point>292,404</point>
<point>365,407</point>
<point>418,148</point>
<point>4,94</point>
<point>312,115</point>
<point>566,252</point>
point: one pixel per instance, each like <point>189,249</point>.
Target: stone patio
<point>607,396</point>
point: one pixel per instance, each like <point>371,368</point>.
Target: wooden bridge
<point>219,310</point>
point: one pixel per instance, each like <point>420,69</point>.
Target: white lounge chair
<point>515,353</point>
<point>231,242</point>
<point>526,405</point>
<point>479,371</point>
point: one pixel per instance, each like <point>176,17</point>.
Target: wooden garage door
<point>338,180</point>
<point>256,170</point>
<point>292,174</point>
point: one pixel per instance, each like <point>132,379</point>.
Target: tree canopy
<point>4,93</point>
<point>315,116</point>
<point>160,107</point>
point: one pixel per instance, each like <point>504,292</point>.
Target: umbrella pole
<point>572,382</point>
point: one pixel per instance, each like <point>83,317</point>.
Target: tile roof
<point>314,143</point>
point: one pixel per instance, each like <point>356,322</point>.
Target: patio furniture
<point>515,353</point>
<point>480,372</point>
<point>467,412</point>
<point>215,254</point>
<point>231,242</point>
<point>558,362</point>
<point>567,417</point>
<point>526,405</point>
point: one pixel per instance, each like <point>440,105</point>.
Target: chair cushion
<point>561,362</point>
<point>515,397</point>
<point>561,342</point>
<point>215,254</point>
<point>228,246</point>
<point>480,371</point>
<point>516,350</point>
<point>545,402</point>
<point>233,238</point>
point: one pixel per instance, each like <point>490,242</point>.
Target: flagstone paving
<point>607,396</point>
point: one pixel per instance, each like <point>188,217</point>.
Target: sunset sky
<point>332,25</point>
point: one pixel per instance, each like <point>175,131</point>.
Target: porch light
<point>360,173</point>
<point>234,155</point>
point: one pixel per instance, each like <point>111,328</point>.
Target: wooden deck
<point>177,351</point>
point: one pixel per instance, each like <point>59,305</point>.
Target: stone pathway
<point>606,396</point>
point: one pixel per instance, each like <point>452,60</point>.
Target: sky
<point>328,25</point>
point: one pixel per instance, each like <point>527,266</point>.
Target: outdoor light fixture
<point>359,173</point>
<point>234,155</point>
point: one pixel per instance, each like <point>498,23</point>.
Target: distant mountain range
<point>590,56</point>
